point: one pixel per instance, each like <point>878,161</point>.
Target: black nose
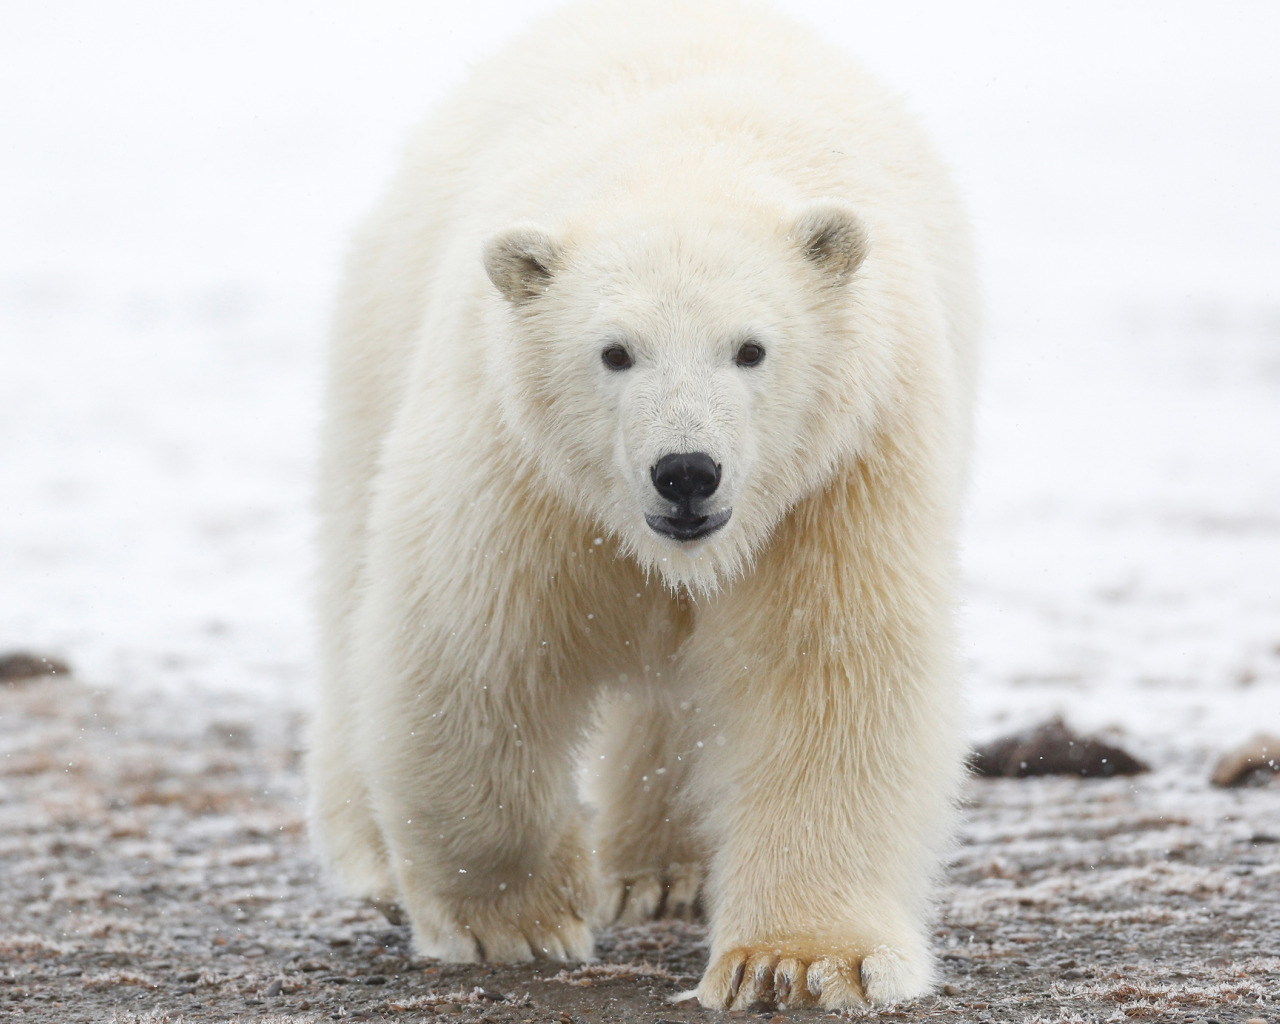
<point>685,476</point>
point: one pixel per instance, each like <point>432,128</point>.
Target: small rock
<point>375,979</point>
<point>189,976</point>
<point>20,666</point>
<point>950,990</point>
<point>1052,749</point>
<point>274,988</point>
<point>1255,763</point>
<point>492,997</point>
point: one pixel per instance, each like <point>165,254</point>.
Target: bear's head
<point>682,382</point>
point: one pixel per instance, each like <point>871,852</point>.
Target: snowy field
<point>177,182</point>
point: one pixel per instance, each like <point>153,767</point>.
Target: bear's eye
<point>616,357</point>
<point>749,354</point>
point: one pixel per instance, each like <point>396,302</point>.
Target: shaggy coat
<point>646,231</point>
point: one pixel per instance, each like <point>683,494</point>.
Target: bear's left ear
<point>832,236</point>
<point>520,262</point>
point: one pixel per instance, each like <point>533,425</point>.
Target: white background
<point>177,182</point>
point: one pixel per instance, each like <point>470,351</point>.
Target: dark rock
<point>1052,749</point>
<point>20,666</point>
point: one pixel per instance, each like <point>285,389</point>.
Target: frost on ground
<point>155,869</point>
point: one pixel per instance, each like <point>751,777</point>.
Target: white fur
<point>775,706</point>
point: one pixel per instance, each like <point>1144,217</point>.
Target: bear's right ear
<point>520,262</point>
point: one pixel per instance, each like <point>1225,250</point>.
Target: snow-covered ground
<point>177,181</point>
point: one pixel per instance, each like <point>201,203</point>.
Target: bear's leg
<point>469,745</point>
<point>823,867</point>
<point>341,819</point>
<point>832,752</point>
<point>650,858</point>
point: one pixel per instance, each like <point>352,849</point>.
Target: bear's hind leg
<point>651,860</point>
<point>340,818</point>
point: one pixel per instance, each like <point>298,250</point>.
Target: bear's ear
<point>520,262</point>
<point>832,236</point>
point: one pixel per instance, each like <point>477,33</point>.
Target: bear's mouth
<point>688,527</point>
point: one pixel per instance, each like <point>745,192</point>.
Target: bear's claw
<point>675,894</point>
<point>779,976</point>
<point>487,939</point>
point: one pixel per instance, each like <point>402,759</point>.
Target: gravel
<point>155,868</point>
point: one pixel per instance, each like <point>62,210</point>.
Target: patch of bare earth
<point>154,867</point>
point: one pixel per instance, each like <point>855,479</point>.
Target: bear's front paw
<point>502,932</point>
<point>788,975</point>
<point>548,936</point>
<point>650,895</point>
<point>536,907</point>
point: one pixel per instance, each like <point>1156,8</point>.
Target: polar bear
<point>647,418</point>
